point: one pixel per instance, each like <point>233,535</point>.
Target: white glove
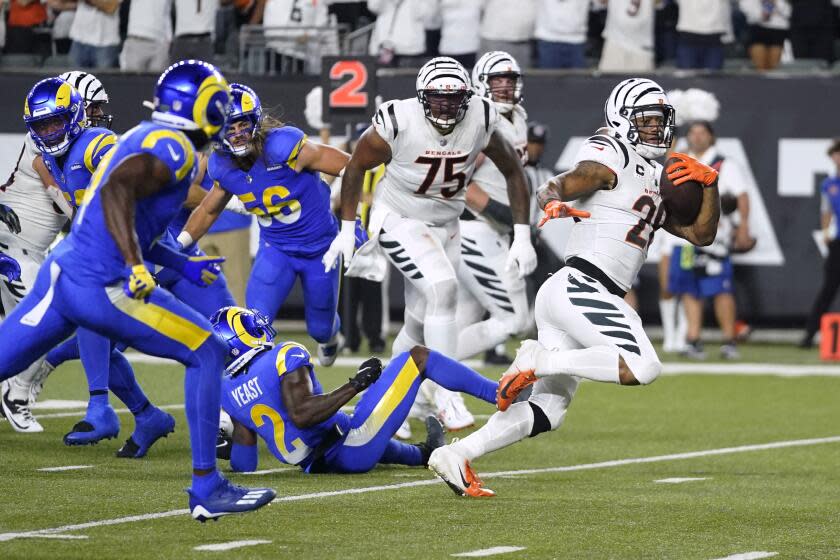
<point>522,254</point>
<point>343,244</point>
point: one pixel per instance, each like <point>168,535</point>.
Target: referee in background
<point>830,217</point>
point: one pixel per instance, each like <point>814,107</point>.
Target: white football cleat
<point>17,412</point>
<point>328,351</point>
<point>455,471</point>
<point>453,412</point>
<point>404,432</point>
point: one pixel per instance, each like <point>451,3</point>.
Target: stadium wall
<point>778,127</point>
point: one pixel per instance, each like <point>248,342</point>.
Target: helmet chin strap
<point>240,362</point>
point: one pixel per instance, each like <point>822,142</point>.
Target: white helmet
<point>444,76</point>
<point>92,91</point>
<point>638,98</point>
<point>497,63</point>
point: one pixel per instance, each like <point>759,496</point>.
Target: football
<point>681,202</point>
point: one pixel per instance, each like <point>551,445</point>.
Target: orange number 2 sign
<point>348,94</point>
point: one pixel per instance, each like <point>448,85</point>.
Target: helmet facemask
<point>247,332</point>
<point>239,142</point>
<point>651,128</point>
<point>51,133</point>
<point>444,108</point>
<point>504,89</point>
<point>96,115</point>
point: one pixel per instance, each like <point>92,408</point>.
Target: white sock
<point>598,363</point>
<point>481,336</point>
<point>682,328</point>
<point>501,430</point>
<point>668,312</point>
<point>441,334</point>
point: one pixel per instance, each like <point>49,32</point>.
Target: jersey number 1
<point>651,216</point>
<point>449,174</point>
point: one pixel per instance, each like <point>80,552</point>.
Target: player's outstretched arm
<point>133,179</point>
<point>502,153</point>
<point>322,158</point>
<point>51,187</point>
<point>371,151</point>
<point>306,409</point>
<point>583,179</point>
<point>205,215</point>
<point>704,229</point>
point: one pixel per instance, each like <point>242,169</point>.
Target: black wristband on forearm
<point>498,212</point>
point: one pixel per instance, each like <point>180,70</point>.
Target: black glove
<point>8,217</point>
<point>368,373</point>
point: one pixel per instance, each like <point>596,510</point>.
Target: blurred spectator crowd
<point>610,35</point>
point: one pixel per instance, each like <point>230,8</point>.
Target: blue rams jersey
<point>73,170</point>
<point>93,253</point>
<point>830,189</point>
<point>293,208</point>
<point>255,399</point>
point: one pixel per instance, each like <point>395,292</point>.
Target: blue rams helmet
<point>244,106</point>
<point>247,332</point>
<point>54,113</point>
<point>193,96</point>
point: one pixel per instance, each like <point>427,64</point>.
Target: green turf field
<point>784,499</point>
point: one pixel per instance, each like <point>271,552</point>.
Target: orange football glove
<point>557,209</point>
<point>686,168</point>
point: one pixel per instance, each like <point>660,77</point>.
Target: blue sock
<point>400,453</point>
<point>98,398</point>
<point>66,351</point>
<point>124,385</point>
<point>95,353</point>
<point>203,485</point>
<point>202,399</point>
<point>455,376</point>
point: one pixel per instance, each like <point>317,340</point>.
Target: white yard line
<point>678,480</point>
<point>428,482</point>
<point>117,410</point>
<point>489,551</point>
<point>65,468</point>
<point>56,537</point>
<point>55,404</point>
<point>749,555</point>
<point>269,471</point>
<point>219,547</point>
<point>668,368</point>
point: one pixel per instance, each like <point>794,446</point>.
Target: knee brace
<point>549,412</point>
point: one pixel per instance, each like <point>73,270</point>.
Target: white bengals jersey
<point>617,235</point>
<point>428,172</point>
<point>40,221</point>
<point>487,175</point>
<point>630,23</point>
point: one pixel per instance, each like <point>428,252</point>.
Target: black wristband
<point>498,212</point>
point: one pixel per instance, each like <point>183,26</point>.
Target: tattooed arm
<point>585,178</point>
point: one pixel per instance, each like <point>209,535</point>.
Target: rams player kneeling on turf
<point>271,391</point>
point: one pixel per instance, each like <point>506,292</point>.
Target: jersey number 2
<point>449,174</point>
<point>298,451</point>
<point>651,216</point>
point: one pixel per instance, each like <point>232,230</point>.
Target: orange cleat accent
<point>510,385</point>
<point>475,487</point>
